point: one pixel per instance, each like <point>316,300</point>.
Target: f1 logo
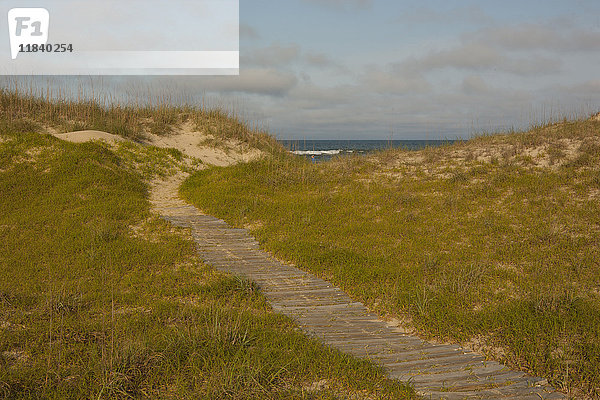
<point>27,26</point>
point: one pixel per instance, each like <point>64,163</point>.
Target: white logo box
<point>125,37</point>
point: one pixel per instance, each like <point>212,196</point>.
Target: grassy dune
<point>27,109</point>
<point>101,299</point>
<point>492,242</point>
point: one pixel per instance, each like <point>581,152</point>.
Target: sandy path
<point>164,191</point>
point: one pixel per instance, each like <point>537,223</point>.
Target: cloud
<point>283,56</point>
<point>587,90</point>
<point>430,16</point>
<point>479,56</point>
<point>521,50</point>
<point>392,80</point>
<point>251,81</point>
<point>323,61</point>
<point>475,85</point>
<point>533,65</point>
<point>310,96</point>
<point>491,78</point>
<point>469,56</point>
<point>531,37</point>
<point>319,59</point>
<point>275,55</point>
<point>342,4</point>
<point>248,32</point>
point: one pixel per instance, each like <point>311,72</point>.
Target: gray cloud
<point>251,81</point>
<point>531,37</point>
<point>522,50</point>
<point>494,78</point>
<point>394,81</point>
<point>475,85</point>
<point>282,56</point>
<point>275,55</point>
<point>310,96</point>
<point>426,15</point>
<point>341,4</point>
<point>468,56</point>
<point>323,61</point>
<point>319,59</point>
<point>248,32</point>
<point>480,57</point>
<point>587,90</point>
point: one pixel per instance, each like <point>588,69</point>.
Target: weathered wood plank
<point>325,312</point>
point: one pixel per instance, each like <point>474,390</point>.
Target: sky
<point>415,70</point>
<point>397,69</point>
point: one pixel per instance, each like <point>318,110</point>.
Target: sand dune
<point>190,142</point>
<point>86,136</point>
<point>185,139</point>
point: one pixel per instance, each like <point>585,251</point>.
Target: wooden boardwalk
<point>324,311</point>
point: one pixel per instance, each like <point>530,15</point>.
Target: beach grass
<point>99,298</point>
<point>27,107</point>
<point>492,242</point>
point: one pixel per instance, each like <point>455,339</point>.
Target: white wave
<point>316,152</point>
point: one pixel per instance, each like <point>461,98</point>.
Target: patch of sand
<point>189,141</point>
<point>164,193</point>
<point>184,138</point>
<point>86,136</point>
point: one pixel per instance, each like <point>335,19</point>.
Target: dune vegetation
<point>491,242</point>
<point>27,108</point>
<point>100,298</point>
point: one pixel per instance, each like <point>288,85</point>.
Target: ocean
<point>323,150</point>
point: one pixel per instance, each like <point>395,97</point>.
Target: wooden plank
<point>457,359</point>
<point>326,312</point>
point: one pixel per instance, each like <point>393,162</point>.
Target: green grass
<point>101,299</point>
<point>492,242</point>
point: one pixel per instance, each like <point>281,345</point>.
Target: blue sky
<point>362,69</point>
